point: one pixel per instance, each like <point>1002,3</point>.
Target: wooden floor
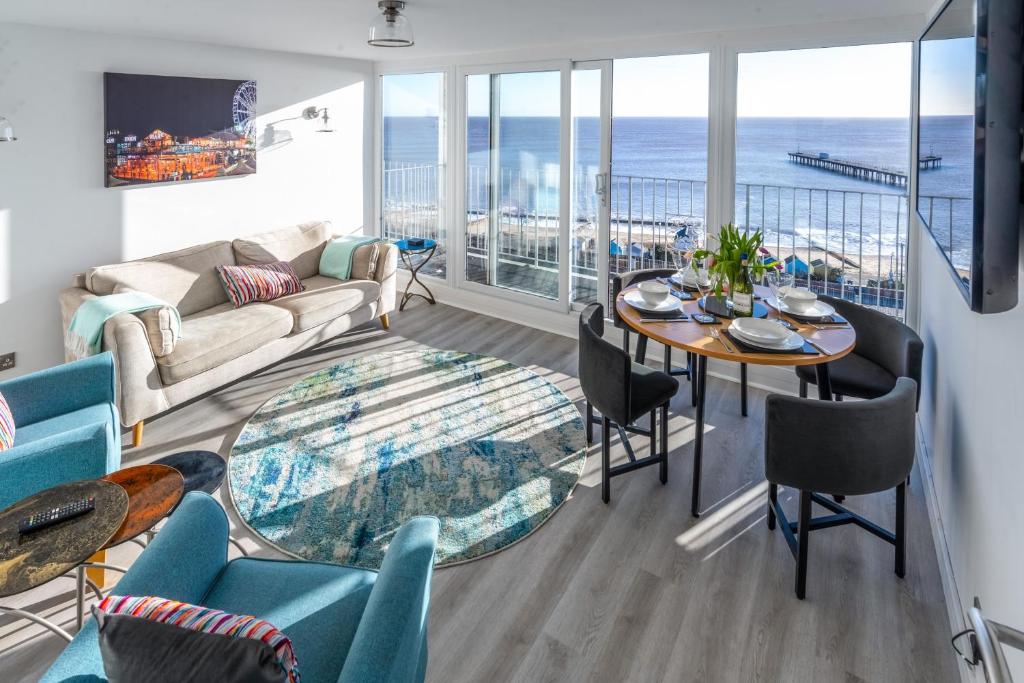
<point>636,590</point>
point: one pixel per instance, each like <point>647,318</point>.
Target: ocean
<point>676,148</point>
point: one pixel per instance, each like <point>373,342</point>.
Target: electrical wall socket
<point>7,361</point>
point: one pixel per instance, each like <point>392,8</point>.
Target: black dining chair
<point>841,449</point>
<point>886,349</point>
<point>622,391</point>
<point>622,280</point>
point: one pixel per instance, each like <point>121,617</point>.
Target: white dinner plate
<point>633,298</point>
<point>819,310</point>
<point>792,341</point>
<point>760,330</point>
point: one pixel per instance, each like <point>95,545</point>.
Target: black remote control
<point>41,520</point>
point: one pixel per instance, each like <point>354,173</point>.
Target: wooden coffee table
<point>153,493</point>
<point>28,561</point>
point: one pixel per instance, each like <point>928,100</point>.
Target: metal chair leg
<point>654,431</point>
<point>590,423</point>
<point>605,460</point>
<point>804,534</point>
<point>803,388</point>
<point>773,495</point>
<point>901,530</point>
<point>664,444</point>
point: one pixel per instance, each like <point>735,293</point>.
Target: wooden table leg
<point>97,574</point>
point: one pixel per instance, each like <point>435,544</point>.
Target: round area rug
<point>329,468</point>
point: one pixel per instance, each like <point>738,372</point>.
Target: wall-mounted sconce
<point>6,130</point>
<point>312,113</point>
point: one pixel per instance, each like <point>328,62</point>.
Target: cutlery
<point>830,326</point>
<point>815,346</point>
<point>721,340</point>
<point>665,320</point>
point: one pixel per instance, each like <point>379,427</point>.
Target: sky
<point>870,81</point>
<point>947,77</point>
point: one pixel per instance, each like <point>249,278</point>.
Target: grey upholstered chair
<point>886,349</point>
<point>633,277</point>
<point>841,449</point>
<point>622,391</point>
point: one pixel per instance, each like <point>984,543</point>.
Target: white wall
<point>972,420</point>
<point>56,218</point>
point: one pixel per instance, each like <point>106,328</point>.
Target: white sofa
<point>220,343</point>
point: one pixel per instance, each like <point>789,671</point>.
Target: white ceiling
<point>442,27</point>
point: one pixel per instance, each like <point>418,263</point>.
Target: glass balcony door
<point>513,175</point>
<point>591,162</point>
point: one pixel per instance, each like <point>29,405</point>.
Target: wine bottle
<point>743,291</point>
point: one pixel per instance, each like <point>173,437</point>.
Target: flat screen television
<point>969,189</point>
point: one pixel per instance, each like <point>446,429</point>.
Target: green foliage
<point>727,261</point>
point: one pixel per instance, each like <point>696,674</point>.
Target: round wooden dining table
<point>700,342</point>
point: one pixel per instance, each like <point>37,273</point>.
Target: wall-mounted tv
<point>969,189</point>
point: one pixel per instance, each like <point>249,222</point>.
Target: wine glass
<point>779,281</point>
<point>683,245</point>
<point>702,276</point>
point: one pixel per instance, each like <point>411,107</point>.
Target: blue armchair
<point>347,625</point>
<point>66,427</point>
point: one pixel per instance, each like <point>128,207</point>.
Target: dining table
<point>701,342</point>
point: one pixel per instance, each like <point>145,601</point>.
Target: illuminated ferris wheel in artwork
<point>243,109</point>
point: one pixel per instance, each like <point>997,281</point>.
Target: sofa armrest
<point>81,453</point>
<point>391,640</point>
<point>139,388</point>
<point>61,389</point>
<point>184,559</point>
<point>386,274</point>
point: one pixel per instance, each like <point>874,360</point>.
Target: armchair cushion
<point>317,605</point>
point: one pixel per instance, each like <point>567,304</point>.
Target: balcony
<point>848,244</point>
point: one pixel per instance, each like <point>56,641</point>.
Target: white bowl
<point>799,299</point>
<point>759,330</point>
<point>653,292</point>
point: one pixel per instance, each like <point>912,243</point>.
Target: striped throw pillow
<point>259,282</point>
<point>6,425</point>
<point>206,620</point>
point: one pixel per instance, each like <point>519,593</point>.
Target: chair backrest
<point>623,280</point>
<point>604,368</point>
<point>848,448</point>
<point>882,339</point>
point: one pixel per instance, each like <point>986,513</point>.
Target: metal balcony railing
<point>845,243</point>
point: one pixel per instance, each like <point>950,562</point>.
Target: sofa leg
<point>137,433</point>
<point>385,322</point>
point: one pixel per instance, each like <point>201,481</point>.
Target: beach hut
<point>795,265</point>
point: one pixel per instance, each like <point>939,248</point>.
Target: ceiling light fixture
<point>391,28</point>
<point>6,130</point>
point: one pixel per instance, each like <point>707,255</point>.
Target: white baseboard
<point>950,590</point>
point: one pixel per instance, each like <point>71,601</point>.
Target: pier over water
<point>857,169</point>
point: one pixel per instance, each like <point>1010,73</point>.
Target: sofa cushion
<point>220,334</point>
<point>326,299</point>
<point>364,261</point>
<point>186,279</point>
<point>300,245</point>
<point>259,282</point>
<point>318,605</point>
<point>6,425</point>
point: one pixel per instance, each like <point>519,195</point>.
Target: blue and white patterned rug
<point>329,468</point>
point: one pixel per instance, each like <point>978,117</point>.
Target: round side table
<point>203,471</point>
<point>28,561</point>
<point>407,251</point>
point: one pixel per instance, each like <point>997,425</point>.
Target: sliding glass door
<point>514,181</point>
